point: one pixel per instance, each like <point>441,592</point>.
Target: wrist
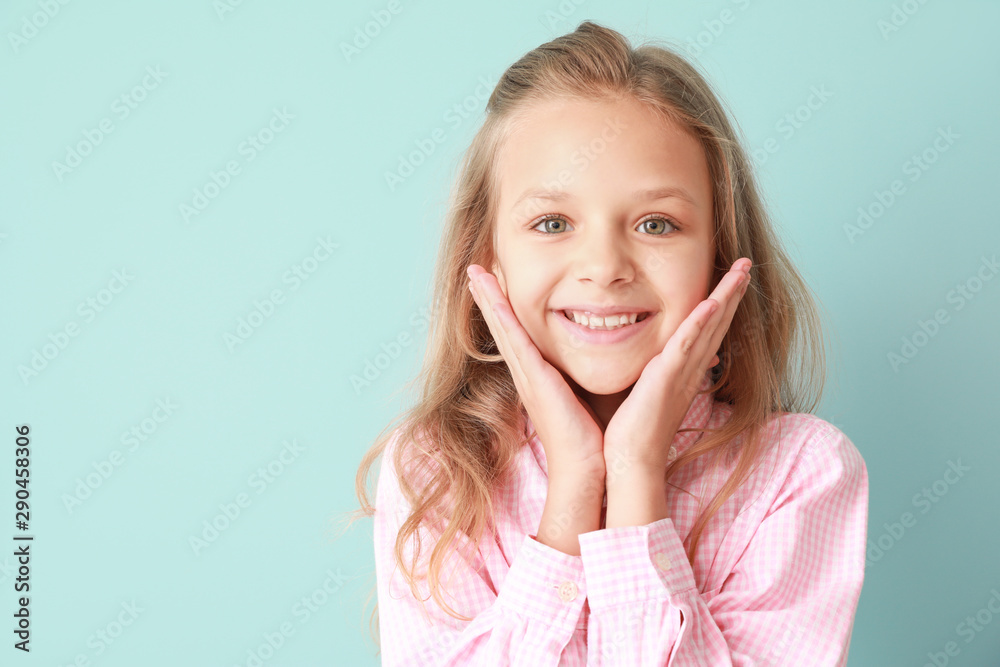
<point>645,475</point>
<point>577,476</point>
<point>636,498</point>
<point>580,488</point>
<point>572,506</point>
<point>624,470</point>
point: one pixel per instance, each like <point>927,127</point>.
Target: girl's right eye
<point>551,218</point>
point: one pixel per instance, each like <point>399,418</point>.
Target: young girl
<point>612,461</point>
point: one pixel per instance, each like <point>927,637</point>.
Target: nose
<point>601,256</point>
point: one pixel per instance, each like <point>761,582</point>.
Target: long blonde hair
<point>462,433</point>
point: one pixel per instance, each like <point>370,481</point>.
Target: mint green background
<point>162,337</point>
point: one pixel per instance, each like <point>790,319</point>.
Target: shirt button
<point>567,591</point>
<point>672,453</point>
<point>662,561</point>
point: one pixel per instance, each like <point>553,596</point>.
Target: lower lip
<point>599,336</point>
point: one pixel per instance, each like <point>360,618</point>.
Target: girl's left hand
<point>638,437</point>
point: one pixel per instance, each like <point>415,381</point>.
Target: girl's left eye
<point>547,219</point>
<point>662,224</point>
<point>664,221</point>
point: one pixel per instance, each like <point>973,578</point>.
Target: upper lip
<point>601,311</point>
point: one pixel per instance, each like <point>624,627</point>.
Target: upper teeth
<point>596,322</point>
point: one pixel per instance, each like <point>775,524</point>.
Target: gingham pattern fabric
<point>776,577</point>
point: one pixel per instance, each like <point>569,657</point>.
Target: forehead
<point>596,147</point>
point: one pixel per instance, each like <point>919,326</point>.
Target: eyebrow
<point>648,194</point>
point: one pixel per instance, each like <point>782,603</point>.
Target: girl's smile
<point>613,328</point>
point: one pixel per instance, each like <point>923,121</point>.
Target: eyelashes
<point>657,218</point>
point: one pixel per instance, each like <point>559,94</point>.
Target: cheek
<point>530,309</point>
<point>679,300</point>
<point>684,284</point>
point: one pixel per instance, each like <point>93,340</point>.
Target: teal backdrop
<point>214,294</point>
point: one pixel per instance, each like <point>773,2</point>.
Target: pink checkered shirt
<point>776,578</point>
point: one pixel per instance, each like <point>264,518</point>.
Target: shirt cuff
<point>634,563</point>
<point>546,585</point>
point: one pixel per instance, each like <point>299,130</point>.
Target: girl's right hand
<point>567,427</point>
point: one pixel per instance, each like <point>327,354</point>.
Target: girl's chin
<point>602,382</point>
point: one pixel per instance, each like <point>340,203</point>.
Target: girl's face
<point>603,207</point>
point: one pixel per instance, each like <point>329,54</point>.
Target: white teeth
<point>605,323</point>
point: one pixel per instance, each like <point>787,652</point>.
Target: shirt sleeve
<point>531,620</point>
<point>790,599</point>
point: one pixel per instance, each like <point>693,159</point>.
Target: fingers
<point>728,293</point>
<point>533,375</point>
<point>515,346</point>
<point>485,298</point>
<point>699,336</point>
